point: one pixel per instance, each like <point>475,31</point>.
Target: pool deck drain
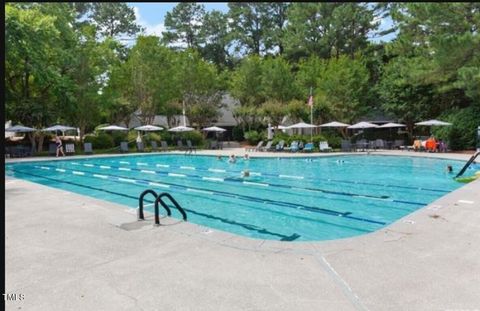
<point>70,252</point>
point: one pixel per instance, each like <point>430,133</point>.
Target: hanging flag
<point>310,101</point>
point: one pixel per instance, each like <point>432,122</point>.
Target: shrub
<point>463,132</point>
<point>148,138</point>
<point>118,137</point>
<point>278,137</point>
<point>195,136</point>
<point>253,137</point>
<point>101,141</point>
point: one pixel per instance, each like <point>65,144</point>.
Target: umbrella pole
<point>311,117</point>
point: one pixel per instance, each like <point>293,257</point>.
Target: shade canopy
<point>301,125</point>
<point>181,128</point>
<point>113,128</point>
<point>391,124</point>
<point>362,125</point>
<point>213,129</point>
<point>335,124</point>
<point>281,127</point>
<point>149,128</point>
<point>433,123</point>
<point>58,127</point>
<point>20,129</point>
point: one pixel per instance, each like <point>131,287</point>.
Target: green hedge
<point>463,132</point>
<point>101,141</point>
<point>194,136</point>
<point>253,137</point>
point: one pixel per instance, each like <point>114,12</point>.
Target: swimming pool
<point>288,199</point>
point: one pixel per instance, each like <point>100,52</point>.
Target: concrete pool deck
<point>70,252</point>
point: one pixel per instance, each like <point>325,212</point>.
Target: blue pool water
<point>288,199</point>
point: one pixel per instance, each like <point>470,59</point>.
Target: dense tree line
<point>65,63</point>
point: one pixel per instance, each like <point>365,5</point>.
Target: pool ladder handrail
<point>470,161</point>
<point>158,199</point>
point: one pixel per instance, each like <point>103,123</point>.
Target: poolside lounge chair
<point>20,151</point>
<point>280,146</point>
<point>180,145</point>
<point>70,148</point>
<point>257,148</point>
<point>140,146</point>
<point>191,147</point>
<point>267,147</point>
<point>300,145</point>
<point>323,146</point>
<point>380,144</point>
<point>398,144</point>
<point>213,144</point>
<point>123,146</point>
<point>220,145</point>
<point>154,145</point>
<point>362,144</point>
<point>293,146</point>
<point>164,145</point>
<point>308,147</point>
<point>87,148</point>
<point>346,146</point>
<point>52,149</point>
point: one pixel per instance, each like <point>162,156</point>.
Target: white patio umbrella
<point>391,124</point>
<point>181,128</point>
<point>334,124</point>
<point>362,125</point>
<point>149,128</point>
<point>20,129</point>
<point>281,127</point>
<point>301,125</point>
<point>213,129</point>
<point>433,123</point>
<point>339,125</point>
<point>113,128</point>
<point>58,127</point>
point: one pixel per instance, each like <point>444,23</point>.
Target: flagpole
<point>311,116</point>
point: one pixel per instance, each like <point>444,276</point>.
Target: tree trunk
<point>82,133</point>
<point>31,137</point>
<point>41,137</point>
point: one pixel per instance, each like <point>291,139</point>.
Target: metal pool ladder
<point>468,164</point>
<point>159,199</point>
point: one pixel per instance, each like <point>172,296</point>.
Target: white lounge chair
<point>70,148</point>
<point>323,146</point>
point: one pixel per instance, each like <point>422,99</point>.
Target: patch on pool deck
<point>466,201</point>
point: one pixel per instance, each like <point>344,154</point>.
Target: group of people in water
<point>233,158</point>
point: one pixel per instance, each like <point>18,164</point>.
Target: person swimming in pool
<point>219,158</point>
<point>449,169</point>
<point>246,157</point>
<point>246,173</point>
<point>232,159</point>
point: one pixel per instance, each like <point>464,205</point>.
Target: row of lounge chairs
<point>164,146</point>
<point>295,146</point>
<point>364,145</point>
<point>88,148</point>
